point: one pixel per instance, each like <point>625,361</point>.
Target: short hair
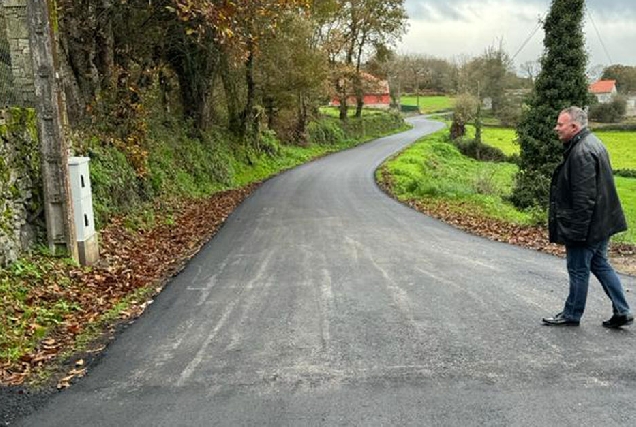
<point>577,114</point>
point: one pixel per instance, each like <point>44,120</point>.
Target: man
<point>584,212</point>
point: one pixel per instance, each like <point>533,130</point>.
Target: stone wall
<point>20,177</point>
<point>17,36</point>
<point>20,189</point>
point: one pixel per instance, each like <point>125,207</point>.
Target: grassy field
<point>429,104</point>
<point>622,148</point>
<point>351,111</point>
<point>503,138</point>
<point>620,144</point>
<point>627,192</point>
<point>433,168</point>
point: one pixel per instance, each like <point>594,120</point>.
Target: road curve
<point>322,302</point>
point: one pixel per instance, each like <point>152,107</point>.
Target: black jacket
<point>584,205</point>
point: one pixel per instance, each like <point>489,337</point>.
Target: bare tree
<point>531,69</point>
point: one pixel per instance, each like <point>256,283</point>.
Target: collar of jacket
<point>567,147</point>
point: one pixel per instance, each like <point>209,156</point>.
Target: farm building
<point>604,90</point>
<point>376,93</point>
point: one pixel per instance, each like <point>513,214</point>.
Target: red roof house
<point>604,90</point>
<point>376,93</point>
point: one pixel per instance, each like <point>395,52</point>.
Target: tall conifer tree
<point>561,83</point>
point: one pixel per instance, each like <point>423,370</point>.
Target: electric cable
<point>540,21</point>
<point>598,34</point>
<point>536,28</point>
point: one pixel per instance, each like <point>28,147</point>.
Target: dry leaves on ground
<point>129,261</point>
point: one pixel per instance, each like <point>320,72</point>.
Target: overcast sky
<point>450,28</point>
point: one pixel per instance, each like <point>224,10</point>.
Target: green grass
<point>351,111</point>
<point>39,294</point>
<point>503,138</point>
<point>433,168</point>
<point>429,104</point>
<point>357,131</point>
<point>620,144</point>
<point>27,312</point>
<point>627,192</point>
<point>265,166</point>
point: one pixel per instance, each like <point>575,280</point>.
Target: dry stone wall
<point>20,189</point>
<point>20,186</point>
<point>16,35</point>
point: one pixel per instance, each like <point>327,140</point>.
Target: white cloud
<point>451,28</point>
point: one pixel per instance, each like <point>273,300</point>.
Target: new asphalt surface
<point>323,302</point>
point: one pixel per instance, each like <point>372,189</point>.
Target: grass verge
<point>51,308</point>
<point>433,176</point>
<point>432,170</point>
<point>429,104</point>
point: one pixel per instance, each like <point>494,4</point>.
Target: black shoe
<point>559,320</point>
<point>619,320</point>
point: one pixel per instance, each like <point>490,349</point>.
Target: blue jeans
<point>581,260</point>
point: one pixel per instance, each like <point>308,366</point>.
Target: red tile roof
<point>602,86</point>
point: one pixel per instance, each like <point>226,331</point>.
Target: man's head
<point>570,122</point>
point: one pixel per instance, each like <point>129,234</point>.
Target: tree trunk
<point>231,96</point>
<point>341,90</point>
<point>457,130</point>
<point>357,84</point>
<point>86,43</point>
<point>249,127</point>
<point>196,65</point>
<point>270,111</point>
<point>301,126</point>
<point>343,108</point>
<point>105,41</point>
<point>357,80</point>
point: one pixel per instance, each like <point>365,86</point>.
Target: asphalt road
<point>322,302</point>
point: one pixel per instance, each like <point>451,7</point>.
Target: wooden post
<point>58,207</point>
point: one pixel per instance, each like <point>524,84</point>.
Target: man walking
<point>584,212</point>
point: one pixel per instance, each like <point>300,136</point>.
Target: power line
<point>598,34</point>
<point>534,31</point>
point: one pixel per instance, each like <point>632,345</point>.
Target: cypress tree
<point>560,84</point>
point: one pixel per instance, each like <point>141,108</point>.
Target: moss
<point>21,119</point>
<point>53,16</point>
<point>5,173</point>
<point>22,159</point>
<point>15,191</point>
<point>6,221</point>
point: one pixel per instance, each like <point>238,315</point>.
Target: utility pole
<point>58,208</point>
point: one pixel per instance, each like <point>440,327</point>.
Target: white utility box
<point>83,210</point>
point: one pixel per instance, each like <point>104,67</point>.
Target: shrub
<point>479,151</point>
<point>615,126</point>
<point>510,115</point>
<point>466,106</point>
<point>268,143</point>
<point>626,173</point>
<point>553,91</point>
<point>325,131</point>
<point>610,112</point>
